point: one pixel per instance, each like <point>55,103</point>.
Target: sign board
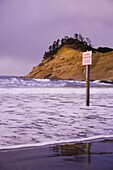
<point>87,58</point>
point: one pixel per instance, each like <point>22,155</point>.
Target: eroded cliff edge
<point>67,64</point>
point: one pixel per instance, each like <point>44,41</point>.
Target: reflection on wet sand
<point>79,151</point>
<point>77,156</point>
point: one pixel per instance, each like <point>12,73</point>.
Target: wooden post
<point>87,60</point>
<point>87,85</point>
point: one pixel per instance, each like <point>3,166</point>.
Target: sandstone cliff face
<point>67,64</point>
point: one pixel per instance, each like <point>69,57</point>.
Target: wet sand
<point>92,156</point>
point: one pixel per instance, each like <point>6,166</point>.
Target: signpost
<point>87,60</point>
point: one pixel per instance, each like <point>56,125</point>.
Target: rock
<point>67,64</point>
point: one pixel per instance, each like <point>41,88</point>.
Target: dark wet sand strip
<point>92,156</point>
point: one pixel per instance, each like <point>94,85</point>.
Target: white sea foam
<point>82,140</point>
<point>33,115</point>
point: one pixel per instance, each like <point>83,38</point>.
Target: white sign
<point>87,58</point>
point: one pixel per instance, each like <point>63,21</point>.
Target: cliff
<point>67,64</point>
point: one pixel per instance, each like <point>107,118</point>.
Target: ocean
<point>42,111</point>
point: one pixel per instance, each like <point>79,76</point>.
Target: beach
<point>82,156</point>
<point>45,125</point>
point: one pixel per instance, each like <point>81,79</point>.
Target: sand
<point>93,156</point>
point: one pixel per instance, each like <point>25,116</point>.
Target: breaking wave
<point>16,82</point>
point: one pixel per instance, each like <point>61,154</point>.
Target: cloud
<point>17,67</point>
<point>28,27</point>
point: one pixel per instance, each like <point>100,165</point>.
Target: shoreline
<point>71,156</point>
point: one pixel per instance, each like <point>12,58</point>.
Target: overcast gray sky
<point>29,27</point>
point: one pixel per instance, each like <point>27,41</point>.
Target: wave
<point>16,82</point>
<point>81,140</point>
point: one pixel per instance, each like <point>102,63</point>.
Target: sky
<point>29,27</point>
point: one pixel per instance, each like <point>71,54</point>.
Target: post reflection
<point>82,152</point>
<point>79,152</point>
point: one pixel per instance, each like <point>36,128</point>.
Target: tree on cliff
<point>77,42</point>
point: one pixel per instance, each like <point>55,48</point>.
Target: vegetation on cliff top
<point>77,42</point>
